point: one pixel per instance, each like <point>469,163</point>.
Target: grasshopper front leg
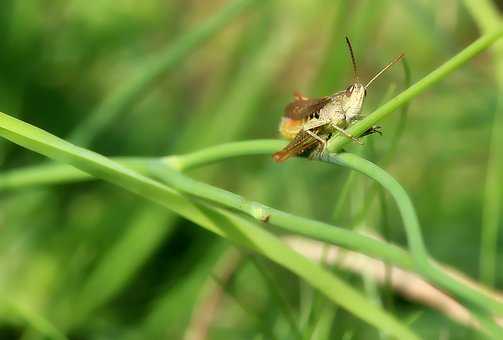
<point>346,134</point>
<point>315,123</point>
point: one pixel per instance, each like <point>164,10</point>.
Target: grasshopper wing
<point>302,108</point>
<point>301,143</point>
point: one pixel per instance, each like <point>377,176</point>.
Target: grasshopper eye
<point>349,90</point>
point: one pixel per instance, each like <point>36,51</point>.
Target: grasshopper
<point>310,122</point>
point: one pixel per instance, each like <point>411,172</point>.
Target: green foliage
<point>176,85</point>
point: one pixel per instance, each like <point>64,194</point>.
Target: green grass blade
<point>120,262</point>
<point>478,46</point>
<point>176,303</point>
<point>219,221</point>
<point>50,174</point>
<point>276,294</point>
<point>316,229</point>
<point>425,265</point>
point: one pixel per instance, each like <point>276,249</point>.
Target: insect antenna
<point>355,71</point>
<point>397,59</point>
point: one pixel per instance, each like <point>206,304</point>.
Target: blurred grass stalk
<point>143,234</point>
<point>121,100</point>
<point>246,91</point>
<point>172,310</point>
<point>488,18</point>
<point>269,57</point>
<point>128,93</point>
<point>37,323</point>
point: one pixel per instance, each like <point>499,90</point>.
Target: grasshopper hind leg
<point>318,138</point>
<point>320,151</point>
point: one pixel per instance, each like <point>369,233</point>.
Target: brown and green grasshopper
<point>309,122</point>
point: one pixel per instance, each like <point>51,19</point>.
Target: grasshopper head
<point>352,100</point>
<point>353,96</point>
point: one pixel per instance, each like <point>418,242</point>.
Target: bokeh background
<point>100,263</point>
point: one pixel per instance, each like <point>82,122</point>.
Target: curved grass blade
<point>220,221</point>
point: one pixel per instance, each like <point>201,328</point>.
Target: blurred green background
<point>98,263</point>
